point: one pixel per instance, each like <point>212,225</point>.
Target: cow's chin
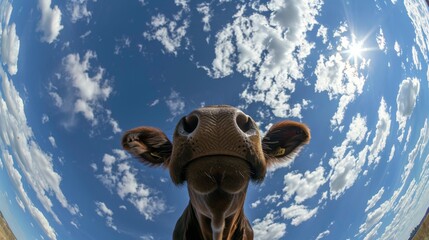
<point>218,173</point>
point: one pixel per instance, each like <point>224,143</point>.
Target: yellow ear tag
<point>280,152</point>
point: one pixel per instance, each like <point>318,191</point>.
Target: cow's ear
<point>284,140</point>
<point>150,145</point>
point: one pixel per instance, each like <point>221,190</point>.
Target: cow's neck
<point>214,218</point>
<point>199,226</point>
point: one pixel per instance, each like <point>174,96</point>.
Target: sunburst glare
<point>355,51</point>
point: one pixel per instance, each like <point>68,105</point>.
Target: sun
<point>355,50</point>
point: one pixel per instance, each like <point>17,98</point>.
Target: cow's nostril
<point>243,122</point>
<point>190,123</point>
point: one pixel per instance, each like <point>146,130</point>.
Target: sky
<point>76,74</point>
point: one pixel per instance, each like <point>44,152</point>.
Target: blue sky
<point>75,74</point>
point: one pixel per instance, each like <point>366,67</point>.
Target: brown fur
<point>217,150</point>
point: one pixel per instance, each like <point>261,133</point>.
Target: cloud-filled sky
<point>74,74</point>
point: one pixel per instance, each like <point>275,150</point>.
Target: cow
<point>217,151</point>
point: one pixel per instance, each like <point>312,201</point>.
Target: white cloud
<point>427,75</point>
<point>342,74</point>
<point>16,179</point>
<point>392,153</point>
<point>170,33</point>
<point>374,217</point>
<point>374,199</point>
<point>147,237</point>
<point>74,224</point>
<point>20,203</point>
<point>50,21</point>
<point>298,213</point>
<point>58,101</point>
<point>113,123</point>
<point>94,166</point>
<point>416,60</point>
<point>86,34</point>
<point>255,204</point>
<point>406,101</point>
<point>87,89</point>
<point>121,44</point>
<point>345,163</point>
<point>52,141</point>
<point>103,211</point>
<point>10,48</point>
<point>272,198</point>
<point>304,185</point>
<point>78,10</point>
<point>323,32</point>
<point>381,134</point>
<point>419,15</point>
<point>5,12</point>
<point>45,118</point>
<point>267,228</point>
<point>340,80</point>
<point>175,104</point>
<point>381,41</point>
<point>418,148</point>
<point>204,9</point>
<point>397,48</point>
<point>154,103</point>
<point>35,165</point>
<point>119,176</point>
<point>342,28</point>
<point>269,46</point>
<point>410,207</point>
<point>323,234</point>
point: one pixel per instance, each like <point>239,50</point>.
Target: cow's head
<point>217,150</point>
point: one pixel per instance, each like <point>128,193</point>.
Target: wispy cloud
<point>381,134</point>
<point>79,10</point>
<point>323,234</point>
<point>87,89</point>
<point>267,228</point>
<point>120,177</point>
<point>10,48</point>
<point>340,80</point>
<point>397,49</point>
<point>175,104</point>
<point>52,141</point>
<point>19,147</point>
<point>374,199</point>
<point>406,101</point>
<point>50,21</point>
<point>298,213</point>
<point>338,76</point>
<point>303,186</point>
<point>346,164</point>
<point>9,40</point>
<point>419,16</point>
<point>407,207</point>
<point>103,211</point>
<point>170,33</point>
<point>381,41</point>
<point>204,9</point>
<point>270,47</point>
<point>416,60</point>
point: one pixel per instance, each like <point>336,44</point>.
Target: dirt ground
<point>5,232</point>
<point>423,232</point>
